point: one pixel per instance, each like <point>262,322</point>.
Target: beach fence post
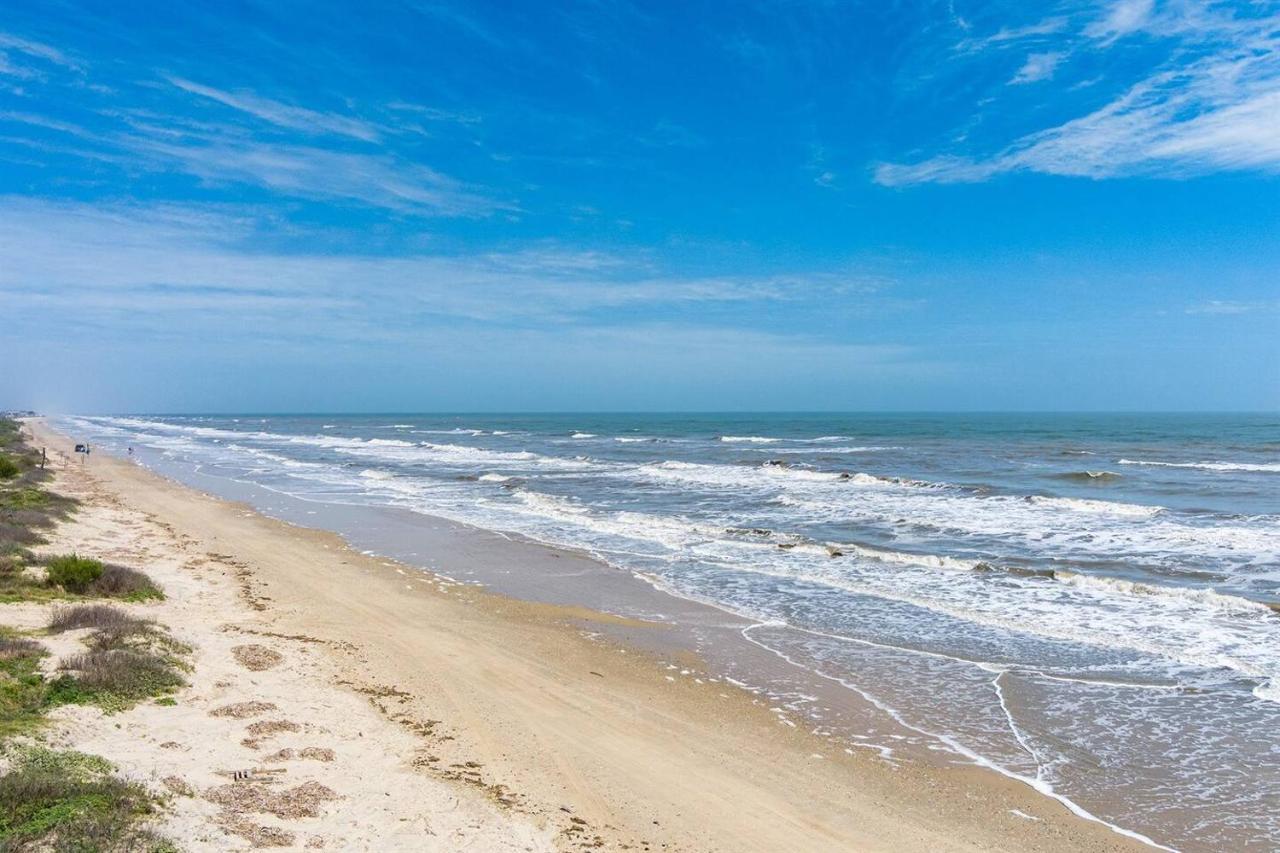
<point>44,456</point>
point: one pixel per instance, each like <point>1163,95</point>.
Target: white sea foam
<point>1205,597</point>
<point>1269,690</point>
<point>1267,467</point>
<point>1095,506</point>
<point>748,439</point>
<point>821,450</point>
<point>583,435</point>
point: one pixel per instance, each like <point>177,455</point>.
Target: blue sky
<point>614,205</point>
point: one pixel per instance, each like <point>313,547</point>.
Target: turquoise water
<point>1082,601</point>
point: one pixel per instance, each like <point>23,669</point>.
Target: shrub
<point>118,678</point>
<point>22,688</point>
<point>25,498</point>
<point>125,583</point>
<point>13,533</point>
<point>102,616</point>
<point>73,572</point>
<point>17,647</point>
<point>8,468</point>
<point>67,801</point>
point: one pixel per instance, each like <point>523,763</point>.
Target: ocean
<point>1086,602</point>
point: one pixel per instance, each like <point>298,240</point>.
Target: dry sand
<point>414,714</point>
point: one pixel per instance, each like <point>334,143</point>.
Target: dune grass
<point>72,572</point>
<point>128,660</point>
<point>23,689</point>
<point>53,800</point>
<point>26,511</point>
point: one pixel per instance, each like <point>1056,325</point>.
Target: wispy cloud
<point>31,49</point>
<point>281,114</point>
<point>319,173</point>
<point>1123,17</point>
<point>169,260</point>
<point>1215,104</point>
<point>1015,35</point>
<point>1039,66</point>
<point>1229,307</point>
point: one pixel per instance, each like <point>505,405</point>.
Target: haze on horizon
<point>439,206</point>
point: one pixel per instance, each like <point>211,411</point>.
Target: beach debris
<point>311,753</point>
<point>243,775</point>
<point>241,710</point>
<point>266,728</point>
<point>179,786</point>
<point>256,834</point>
<point>255,657</point>
<point>300,801</point>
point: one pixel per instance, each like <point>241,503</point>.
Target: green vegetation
<point>125,584</point>
<point>128,659</point>
<point>26,510</point>
<point>62,801</point>
<point>69,801</point>
<point>22,688</point>
<point>73,572</point>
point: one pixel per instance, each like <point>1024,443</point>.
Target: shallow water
<point>1082,601</point>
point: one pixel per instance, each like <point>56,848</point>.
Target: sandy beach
<point>414,713</point>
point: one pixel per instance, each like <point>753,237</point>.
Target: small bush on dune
<point>22,687</point>
<point>125,583</point>
<point>68,801</point>
<point>17,647</point>
<point>13,534</point>
<point>89,616</point>
<point>8,468</point>
<point>73,572</point>
<point>117,678</point>
<point>129,659</point>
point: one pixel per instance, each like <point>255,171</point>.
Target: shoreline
<point>567,720</point>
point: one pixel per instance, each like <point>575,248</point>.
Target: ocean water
<point>1090,603</point>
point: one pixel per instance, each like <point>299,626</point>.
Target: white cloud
<point>37,50</point>
<point>132,264</point>
<point>1039,66</point>
<point>309,172</point>
<point>1227,307</point>
<point>1014,35</point>
<point>281,114</point>
<point>1124,17</point>
<point>1218,111</point>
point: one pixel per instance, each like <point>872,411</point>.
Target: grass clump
<point>115,679</point>
<point>69,801</point>
<point>64,580</point>
<point>73,572</point>
<point>23,688</point>
<point>128,659</point>
<point>96,616</point>
<point>26,510</point>
<point>125,584</point>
